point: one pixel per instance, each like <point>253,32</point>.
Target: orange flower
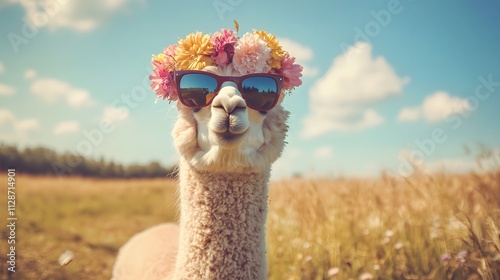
<point>194,52</point>
<point>277,53</point>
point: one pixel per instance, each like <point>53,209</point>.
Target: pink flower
<point>170,54</point>
<point>223,46</point>
<point>291,72</point>
<point>164,87</point>
<point>461,256</point>
<point>445,257</point>
<point>251,54</point>
<point>162,78</point>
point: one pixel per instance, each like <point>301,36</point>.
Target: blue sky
<point>384,81</point>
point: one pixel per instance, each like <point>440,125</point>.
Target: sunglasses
<point>197,89</point>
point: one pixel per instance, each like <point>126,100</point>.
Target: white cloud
<point>52,90</point>
<point>309,71</point>
<point>435,108</point>
<point>26,124</point>
<point>6,90</point>
<point>440,105</point>
<point>2,68</point>
<point>8,118</point>
<point>66,127</point>
<point>115,114</point>
<point>410,161</point>
<point>286,165</point>
<point>324,152</point>
<point>340,119</point>
<point>450,165</point>
<point>360,79</point>
<point>340,100</point>
<point>302,55</point>
<point>78,15</point>
<point>409,114</point>
<point>30,74</point>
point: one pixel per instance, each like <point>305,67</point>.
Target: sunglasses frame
<point>238,80</point>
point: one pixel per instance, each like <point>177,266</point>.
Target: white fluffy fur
<point>223,195</point>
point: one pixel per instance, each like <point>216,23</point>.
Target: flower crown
<point>255,52</point>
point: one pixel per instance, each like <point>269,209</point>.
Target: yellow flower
<point>160,58</point>
<point>193,53</point>
<point>277,53</point>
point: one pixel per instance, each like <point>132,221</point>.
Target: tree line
<point>44,161</point>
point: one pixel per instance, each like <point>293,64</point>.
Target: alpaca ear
<point>184,132</point>
<point>179,105</point>
<point>282,96</point>
<point>275,129</point>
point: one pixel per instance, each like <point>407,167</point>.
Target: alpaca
<point>226,152</point>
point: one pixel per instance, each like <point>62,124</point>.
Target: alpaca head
<point>231,119</point>
<point>227,135</point>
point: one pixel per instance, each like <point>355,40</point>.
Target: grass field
<point>422,227</point>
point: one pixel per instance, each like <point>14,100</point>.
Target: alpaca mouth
<point>229,139</point>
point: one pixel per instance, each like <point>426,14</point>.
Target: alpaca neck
<point>222,225</point>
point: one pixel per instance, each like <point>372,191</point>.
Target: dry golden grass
<point>90,217</point>
<point>391,229</point>
<point>316,229</point>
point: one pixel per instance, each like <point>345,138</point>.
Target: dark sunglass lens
<point>197,90</point>
<point>260,92</point>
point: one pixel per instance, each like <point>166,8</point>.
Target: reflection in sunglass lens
<point>260,92</point>
<point>197,90</point>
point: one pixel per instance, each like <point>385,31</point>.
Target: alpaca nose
<point>229,98</point>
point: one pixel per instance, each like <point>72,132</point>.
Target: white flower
<point>366,276</point>
<point>251,54</point>
<point>333,271</point>
<point>66,257</point>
